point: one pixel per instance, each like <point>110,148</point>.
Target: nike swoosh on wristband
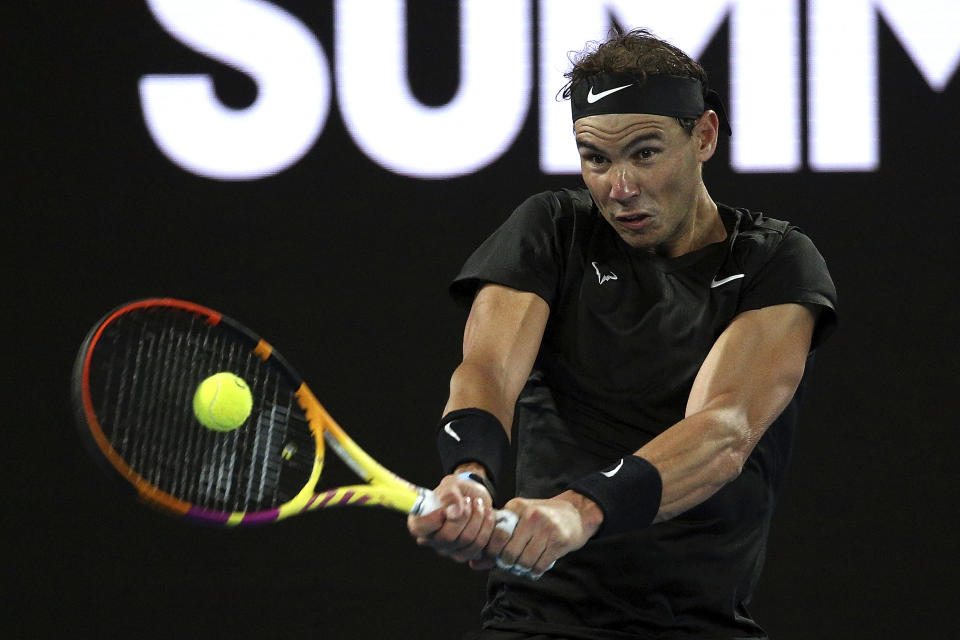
<point>716,283</point>
<point>613,471</point>
<point>593,97</point>
<point>450,432</point>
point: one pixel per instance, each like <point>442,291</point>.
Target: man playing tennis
<point>652,343</point>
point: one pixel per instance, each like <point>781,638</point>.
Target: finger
<point>531,554</point>
<point>498,540</point>
<point>454,509</point>
<point>451,496</point>
<point>453,526</point>
<point>451,505</point>
<point>422,526</point>
<point>543,565</point>
<point>511,555</point>
<point>475,535</point>
<point>511,552</point>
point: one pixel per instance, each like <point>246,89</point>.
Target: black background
<point>343,266</point>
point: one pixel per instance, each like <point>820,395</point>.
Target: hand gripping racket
<point>133,386</point>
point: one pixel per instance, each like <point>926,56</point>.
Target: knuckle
<point>516,505</point>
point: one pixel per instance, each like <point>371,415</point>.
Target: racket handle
<point>506,522</point>
<point>428,503</point>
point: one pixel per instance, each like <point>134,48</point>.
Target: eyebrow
<point>640,139</point>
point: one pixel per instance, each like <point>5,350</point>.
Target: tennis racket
<point>133,384</point>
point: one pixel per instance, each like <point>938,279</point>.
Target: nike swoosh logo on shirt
<point>613,471</point>
<point>593,97</point>
<point>716,283</point>
<point>450,432</point>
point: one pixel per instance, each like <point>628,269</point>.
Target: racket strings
<point>143,374</point>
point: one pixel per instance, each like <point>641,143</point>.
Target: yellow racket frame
<point>383,487</point>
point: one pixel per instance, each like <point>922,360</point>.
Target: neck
<point>704,227</point>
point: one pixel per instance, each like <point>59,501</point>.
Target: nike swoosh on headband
<point>593,97</point>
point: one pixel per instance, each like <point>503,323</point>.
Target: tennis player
<point>650,345</point>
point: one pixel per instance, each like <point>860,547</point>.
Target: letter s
<point>285,61</point>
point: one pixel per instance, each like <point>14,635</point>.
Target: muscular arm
<point>746,381</point>
<point>500,343</point>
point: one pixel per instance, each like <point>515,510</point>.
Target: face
<point>644,173</point>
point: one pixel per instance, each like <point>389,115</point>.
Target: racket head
<point>133,385</point>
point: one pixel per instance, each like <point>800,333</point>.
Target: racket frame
<point>383,487</point>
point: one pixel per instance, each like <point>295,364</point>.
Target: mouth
<point>633,221</point>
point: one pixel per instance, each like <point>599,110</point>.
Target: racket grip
<point>506,522</point>
<point>427,502</point>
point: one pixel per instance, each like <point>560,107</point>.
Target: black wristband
<point>627,492</point>
<point>473,435</point>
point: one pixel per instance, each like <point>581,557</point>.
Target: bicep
<point>500,344</point>
<point>745,382</point>
<point>505,328</point>
<point>755,365</point>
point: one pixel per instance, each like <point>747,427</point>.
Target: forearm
<point>500,343</point>
<point>474,385</point>
<point>696,457</point>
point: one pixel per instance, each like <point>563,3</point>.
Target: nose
<point>622,185</point>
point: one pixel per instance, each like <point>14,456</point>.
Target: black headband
<point>661,95</point>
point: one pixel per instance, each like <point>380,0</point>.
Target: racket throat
<point>348,459</point>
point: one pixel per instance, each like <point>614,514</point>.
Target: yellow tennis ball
<point>222,402</point>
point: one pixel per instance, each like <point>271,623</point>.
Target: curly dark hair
<point>637,52</point>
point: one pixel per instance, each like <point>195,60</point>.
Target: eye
<point>646,153</point>
<point>594,159</point>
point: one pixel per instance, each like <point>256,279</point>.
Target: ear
<point>706,133</point>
